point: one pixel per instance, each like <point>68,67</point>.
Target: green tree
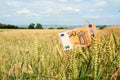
<point>39,26</point>
<point>8,26</point>
<point>51,28</point>
<point>31,26</point>
<point>102,27</point>
<point>60,28</point>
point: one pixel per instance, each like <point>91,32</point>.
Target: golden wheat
<point>38,55</point>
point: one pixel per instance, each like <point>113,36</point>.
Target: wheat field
<point>38,55</point>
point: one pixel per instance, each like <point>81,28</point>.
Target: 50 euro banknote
<point>78,37</point>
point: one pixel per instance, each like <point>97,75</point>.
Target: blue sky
<point>60,12</point>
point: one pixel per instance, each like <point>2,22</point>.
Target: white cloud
<point>34,14</point>
<point>24,11</point>
<point>63,0</point>
<point>44,7</point>
<point>95,9</point>
<point>50,11</point>
<point>111,16</point>
<point>27,12</point>
<point>70,0</point>
<point>98,17</point>
<point>92,17</point>
<point>61,10</point>
<point>114,2</point>
<point>15,4</point>
<point>7,15</point>
<point>70,9</point>
<point>99,6</point>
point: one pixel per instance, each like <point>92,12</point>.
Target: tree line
<point>34,26</point>
<point>8,26</point>
<point>31,26</point>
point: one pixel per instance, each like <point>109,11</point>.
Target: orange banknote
<point>80,36</point>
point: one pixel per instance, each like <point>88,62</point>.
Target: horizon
<point>66,26</point>
<point>60,12</point>
<point>60,25</point>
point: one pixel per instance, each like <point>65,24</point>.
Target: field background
<point>38,55</point>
